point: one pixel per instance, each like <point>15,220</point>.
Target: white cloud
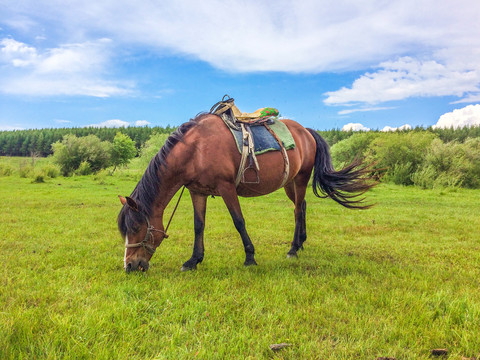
<point>252,35</point>
<point>354,127</point>
<point>61,121</point>
<point>458,118</point>
<point>350,111</point>
<point>400,128</point>
<point>10,127</point>
<point>405,78</point>
<point>18,53</point>
<point>142,123</point>
<point>288,36</point>
<point>71,69</point>
<point>114,123</point>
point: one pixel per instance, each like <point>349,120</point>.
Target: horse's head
<point>141,238</point>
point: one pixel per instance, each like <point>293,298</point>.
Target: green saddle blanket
<point>263,140</point>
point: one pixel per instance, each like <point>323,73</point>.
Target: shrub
<point>345,151</point>
<point>450,164</point>
<point>399,153</point>
<point>51,170</point>
<point>400,174</point>
<point>84,169</point>
<point>38,177</point>
<point>25,170</point>
<point>151,148</point>
<point>5,170</point>
<point>72,151</point>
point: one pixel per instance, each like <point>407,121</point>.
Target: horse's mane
<point>148,187</point>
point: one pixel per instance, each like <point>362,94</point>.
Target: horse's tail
<point>343,186</point>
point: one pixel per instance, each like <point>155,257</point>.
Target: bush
<point>345,151</point>
<point>399,154</point>
<point>450,164</point>
<point>5,170</point>
<point>84,169</point>
<point>25,170</point>
<point>51,170</point>
<point>38,177</point>
<point>72,151</point>
<point>151,148</point>
<point>400,174</point>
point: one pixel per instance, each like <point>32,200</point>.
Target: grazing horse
<point>202,156</point>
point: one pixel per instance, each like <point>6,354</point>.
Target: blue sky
<point>353,64</point>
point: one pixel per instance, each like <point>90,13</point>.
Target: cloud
<point>400,128</point>
<point>70,69</point>
<point>61,121</point>
<point>10,128</point>
<point>350,111</point>
<point>114,123</point>
<point>467,116</point>
<point>354,127</point>
<point>291,36</point>
<point>406,78</point>
<point>18,53</point>
<point>142,123</point>
<point>430,59</point>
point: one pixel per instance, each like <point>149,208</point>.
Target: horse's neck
<point>167,189</point>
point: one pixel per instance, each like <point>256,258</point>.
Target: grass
<point>396,281</point>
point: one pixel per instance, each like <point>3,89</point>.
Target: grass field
<point>394,281</point>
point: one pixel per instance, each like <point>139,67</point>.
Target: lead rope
<point>173,213</point>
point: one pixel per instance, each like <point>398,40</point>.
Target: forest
<point>427,158</point>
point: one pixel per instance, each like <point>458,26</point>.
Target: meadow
<point>396,281</point>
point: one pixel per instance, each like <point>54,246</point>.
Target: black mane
<point>147,188</point>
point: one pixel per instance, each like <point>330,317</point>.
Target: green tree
<point>123,150</point>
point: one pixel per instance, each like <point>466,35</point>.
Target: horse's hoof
<point>186,268</point>
<point>292,256</point>
<point>250,263</point>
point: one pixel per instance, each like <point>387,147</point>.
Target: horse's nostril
<point>128,268</point>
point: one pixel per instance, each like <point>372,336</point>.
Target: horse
<point>202,156</point>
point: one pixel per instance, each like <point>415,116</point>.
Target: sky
<point>358,64</point>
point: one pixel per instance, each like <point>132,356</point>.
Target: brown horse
<point>202,156</point>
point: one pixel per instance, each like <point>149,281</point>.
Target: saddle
<point>250,130</point>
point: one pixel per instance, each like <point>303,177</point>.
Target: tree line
<point>39,141</point>
<point>446,135</point>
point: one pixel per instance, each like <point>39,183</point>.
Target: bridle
<point>145,242</point>
<point>149,248</point>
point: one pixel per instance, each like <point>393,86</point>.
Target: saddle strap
<point>248,149</point>
<point>286,170</point>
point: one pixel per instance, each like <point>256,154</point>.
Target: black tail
<point>343,186</point>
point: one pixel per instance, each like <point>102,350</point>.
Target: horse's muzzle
<point>136,265</point>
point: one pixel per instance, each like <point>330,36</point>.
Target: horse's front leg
<point>199,209</point>
<point>229,195</point>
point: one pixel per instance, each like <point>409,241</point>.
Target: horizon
<point>359,66</point>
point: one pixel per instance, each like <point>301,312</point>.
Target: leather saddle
<point>238,121</point>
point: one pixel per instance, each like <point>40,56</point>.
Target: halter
<point>149,235</point>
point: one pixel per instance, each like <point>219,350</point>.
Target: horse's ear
<point>129,202</point>
<point>132,204</point>
<point>122,199</point>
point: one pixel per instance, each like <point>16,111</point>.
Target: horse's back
<point>215,158</point>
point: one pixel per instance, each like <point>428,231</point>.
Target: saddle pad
<point>263,140</point>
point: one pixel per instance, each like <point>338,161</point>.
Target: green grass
<point>397,280</point>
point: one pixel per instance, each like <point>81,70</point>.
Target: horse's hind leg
<point>296,192</point>
<point>229,195</point>
<point>199,208</point>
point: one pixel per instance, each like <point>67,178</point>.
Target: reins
<point>173,213</point>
